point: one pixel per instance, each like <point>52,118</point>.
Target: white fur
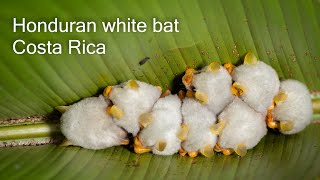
<point>165,126</point>
<point>199,119</point>
<point>133,103</point>
<point>217,86</point>
<point>261,82</point>
<point>296,108</point>
<point>242,125</point>
<point>88,125</point>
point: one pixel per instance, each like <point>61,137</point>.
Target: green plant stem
<point>28,131</point>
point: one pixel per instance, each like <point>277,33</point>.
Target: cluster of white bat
<point>225,109</point>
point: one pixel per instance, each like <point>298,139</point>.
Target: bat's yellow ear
<point>207,151</point>
<point>183,133</point>
<point>132,84</point>
<point>214,66</point>
<point>286,126</point>
<point>161,145</point>
<point>202,97</point>
<point>217,128</point>
<point>241,150</point>
<point>250,58</point>
<point>282,96</point>
<point>145,119</point>
<point>115,112</point>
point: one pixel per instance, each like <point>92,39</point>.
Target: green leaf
<point>282,33</point>
<point>276,157</point>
